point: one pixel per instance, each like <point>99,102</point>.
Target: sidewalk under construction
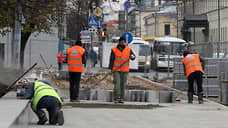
<point>168,115</point>
<point>99,113</point>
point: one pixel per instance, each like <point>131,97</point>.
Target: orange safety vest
<point>120,58</point>
<point>74,59</point>
<point>192,63</point>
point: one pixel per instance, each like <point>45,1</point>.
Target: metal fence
<point>210,49</point>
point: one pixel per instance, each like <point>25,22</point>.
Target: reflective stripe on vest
<point>40,90</point>
<point>192,63</point>
<point>120,58</point>
<point>74,59</point>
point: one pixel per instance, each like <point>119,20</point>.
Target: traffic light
<point>103,34</point>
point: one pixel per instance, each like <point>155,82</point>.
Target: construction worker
<point>43,95</point>
<point>60,60</point>
<point>193,69</point>
<point>76,57</point>
<point>120,56</point>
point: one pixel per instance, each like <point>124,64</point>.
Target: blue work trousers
<point>52,105</point>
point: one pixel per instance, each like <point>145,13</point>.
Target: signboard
<point>98,11</point>
<point>85,34</point>
<point>100,23</point>
<point>127,4</point>
<point>128,37</point>
<point>86,41</point>
<point>121,20</point>
<point>92,21</point>
<point>92,30</point>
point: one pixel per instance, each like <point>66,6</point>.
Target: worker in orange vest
<point>120,55</point>
<point>76,60</point>
<point>193,69</point>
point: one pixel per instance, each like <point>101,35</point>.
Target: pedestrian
<point>120,55</point>
<point>60,60</point>
<point>76,59</point>
<point>193,70</point>
<point>44,96</point>
<point>93,57</point>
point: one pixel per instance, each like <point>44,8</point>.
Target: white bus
<point>144,54</point>
<point>164,50</point>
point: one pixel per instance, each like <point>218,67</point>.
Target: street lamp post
<point>17,35</point>
<point>218,44</point>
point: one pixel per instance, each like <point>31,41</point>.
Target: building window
<point>167,29</point>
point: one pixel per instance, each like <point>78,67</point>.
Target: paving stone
<point>84,94</point>
<point>151,96</point>
<point>93,94</point>
<point>109,95</point>
<point>101,95</point>
<point>165,97</point>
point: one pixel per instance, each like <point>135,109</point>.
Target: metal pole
<point>126,20</point>
<point>155,25</point>
<point>17,36</point>
<point>169,59</point>
<point>7,51</point>
<point>126,39</point>
<point>177,18</point>
<point>139,22</point>
<point>218,45</point>
<point>193,6</point>
<point>30,52</point>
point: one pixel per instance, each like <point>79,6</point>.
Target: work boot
<point>190,97</point>
<point>121,101</point>
<point>60,118</point>
<point>200,97</point>
<point>42,120</point>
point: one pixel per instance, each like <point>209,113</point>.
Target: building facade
<point>210,8</point>
<point>136,14</point>
<point>162,23</point>
<point>216,14</point>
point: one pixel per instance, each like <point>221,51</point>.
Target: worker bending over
<point>193,69</point>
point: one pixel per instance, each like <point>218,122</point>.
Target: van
<point>144,54</point>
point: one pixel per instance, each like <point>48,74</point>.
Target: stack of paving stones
<point>223,78</point>
<point>179,79</point>
<point>130,95</point>
<point>210,80</point>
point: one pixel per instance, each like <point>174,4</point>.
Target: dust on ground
<point>94,82</point>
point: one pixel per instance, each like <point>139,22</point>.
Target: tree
<point>77,18</point>
<point>38,16</point>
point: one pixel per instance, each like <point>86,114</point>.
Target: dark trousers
<point>60,66</point>
<point>51,104</point>
<point>75,78</point>
<point>198,76</point>
<point>119,80</point>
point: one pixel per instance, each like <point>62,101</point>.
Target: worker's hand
<point>132,57</point>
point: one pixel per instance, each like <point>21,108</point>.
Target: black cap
<point>79,43</point>
<point>121,38</point>
<point>185,53</point>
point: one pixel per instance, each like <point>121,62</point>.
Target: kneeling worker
<point>45,96</point>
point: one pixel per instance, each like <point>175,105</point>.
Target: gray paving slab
<point>177,115</point>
